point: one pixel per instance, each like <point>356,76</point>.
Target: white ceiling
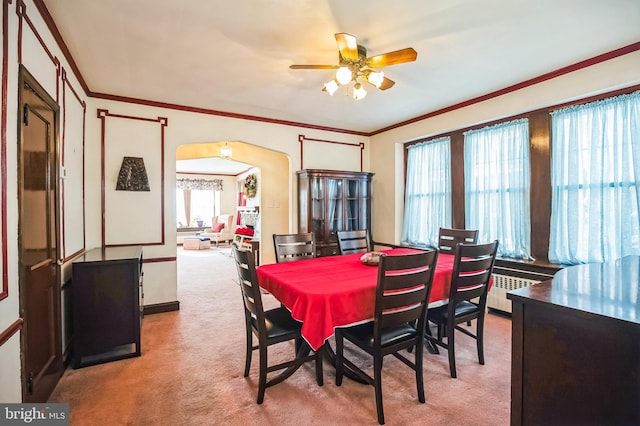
<point>210,165</point>
<point>234,56</point>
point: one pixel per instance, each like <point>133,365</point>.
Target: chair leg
<point>419,374</point>
<point>319,356</point>
<point>247,358</point>
<point>339,358</point>
<point>262,382</point>
<point>480,338</point>
<point>451,349</point>
<point>377,383</point>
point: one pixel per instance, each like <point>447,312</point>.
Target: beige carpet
<point>190,372</point>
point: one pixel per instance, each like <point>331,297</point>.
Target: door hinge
<point>30,383</point>
<point>25,115</point>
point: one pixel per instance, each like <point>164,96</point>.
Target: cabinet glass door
<point>365,203</point>
<point>317,208</point>
<point>334,211</point>
<point>353,206</point>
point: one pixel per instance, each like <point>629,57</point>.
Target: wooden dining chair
<point>354,241</point>
<point>292,247</point>
<point>470,279</point>
<point>270,327</point>
<point>448,238</point>
<point>402,294</point>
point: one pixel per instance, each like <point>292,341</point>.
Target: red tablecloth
<point>336,291</point>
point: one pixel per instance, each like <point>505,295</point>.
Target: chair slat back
<point>448,238</point>
<point>246,267</point>
<point>404,286</point>
<point>292,247</point>
<point>472,270</point>
<point>353,241</point>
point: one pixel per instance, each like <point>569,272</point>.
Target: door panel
<point>38,236</point>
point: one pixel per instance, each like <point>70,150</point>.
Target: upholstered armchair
<point>221,229</point>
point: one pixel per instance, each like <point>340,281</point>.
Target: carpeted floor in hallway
<point>191,372</point>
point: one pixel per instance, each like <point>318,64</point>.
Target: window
<point>197,199</point>
<point>497,184</point>
<point>181,213</point>
<point>595,168</point>
<point>202,206</point>
<point>428,192</point>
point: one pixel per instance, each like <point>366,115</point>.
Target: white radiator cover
<point>497,297</point>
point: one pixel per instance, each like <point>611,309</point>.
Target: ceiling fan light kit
<point>344,75</point>
<point>331,87</point>
<point>375,78</point>
<point>354,66</point>
<point>358,91</point>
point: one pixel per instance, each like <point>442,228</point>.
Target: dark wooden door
<point>40,292</point>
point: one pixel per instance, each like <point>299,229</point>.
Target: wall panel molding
<point>4,292</point>
<point>10,331</point>
<point>103,115</point>
<point>66,84</point>
<point>302,139</point>
<point>21,10</point>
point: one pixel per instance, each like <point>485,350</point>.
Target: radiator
<point>497,297</point>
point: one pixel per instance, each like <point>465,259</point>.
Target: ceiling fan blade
<point>392,58</point>
<point>386,84</point>
<point>313,67</point>
<point>348,46</point>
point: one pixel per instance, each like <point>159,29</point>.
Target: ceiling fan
<point>353,65</point>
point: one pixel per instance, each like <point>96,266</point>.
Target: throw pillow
<point>217,227</point>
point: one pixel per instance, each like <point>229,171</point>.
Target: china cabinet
<point>330,201</point>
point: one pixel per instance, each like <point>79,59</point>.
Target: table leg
<point>331,357</point>
<point>302,355</point>
<point>431,347</point>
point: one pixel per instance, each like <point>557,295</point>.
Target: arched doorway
<point>275,183</point>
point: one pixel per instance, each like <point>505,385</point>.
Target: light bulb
<point>359,92</point>
<point>343,75</point>
<point>331,87</point>
<point>376,78</point>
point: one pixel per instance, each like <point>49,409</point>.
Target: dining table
<point>337,291</point>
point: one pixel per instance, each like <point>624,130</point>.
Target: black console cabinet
<point>107,305</point>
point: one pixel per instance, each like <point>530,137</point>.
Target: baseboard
<point>159,308</point>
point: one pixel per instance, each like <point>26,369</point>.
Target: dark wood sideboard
<point>107,297</point>
<point>576,347</point>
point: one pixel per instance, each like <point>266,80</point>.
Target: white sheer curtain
<point>428,192</point>
<point>594,179</point>
<point>497,186</point>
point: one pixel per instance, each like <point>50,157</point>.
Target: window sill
<point>193,229</point>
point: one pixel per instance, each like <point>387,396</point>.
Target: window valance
<point>200,184</point>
